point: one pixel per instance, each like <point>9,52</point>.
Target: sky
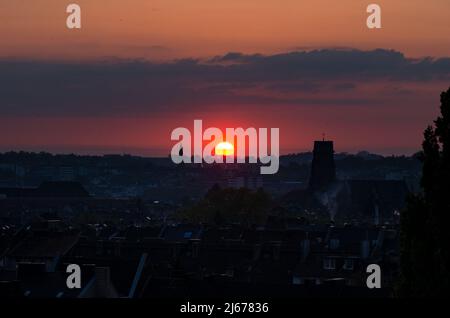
<point>137,69</point>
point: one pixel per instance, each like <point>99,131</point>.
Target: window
<point>329,263</point>
<point>187,235</point>
<point>348,264</point>
<point>296,280</point>
<point>334,244</point>
<point>229,272</point>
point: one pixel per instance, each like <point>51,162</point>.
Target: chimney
<point>276,249</point>
<point>365,247</point>
<point>104,288</point>
<point>376,220</point>
<point>257,251</point>
<point>195,244</point>
<point>305,246</point>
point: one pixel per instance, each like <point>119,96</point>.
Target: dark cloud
<point>135,87</point>
<point>344,86</point>
<point>292,87</point>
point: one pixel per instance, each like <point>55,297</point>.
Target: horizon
<point>142,155</point>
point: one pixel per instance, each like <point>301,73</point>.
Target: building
<point>323,170</point>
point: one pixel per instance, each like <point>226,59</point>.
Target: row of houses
<point>195,260</point>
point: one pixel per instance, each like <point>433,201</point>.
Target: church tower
<point>323,170</point>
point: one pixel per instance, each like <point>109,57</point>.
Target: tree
<point>425,232</point>
<point>228,205</point>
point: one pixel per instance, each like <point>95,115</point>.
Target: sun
<point>224,148</point>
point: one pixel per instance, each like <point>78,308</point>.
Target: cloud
<point>136,87</point>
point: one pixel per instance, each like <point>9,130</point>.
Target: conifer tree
<point>425,227</point>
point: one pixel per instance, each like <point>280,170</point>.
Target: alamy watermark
<point>229,150</point>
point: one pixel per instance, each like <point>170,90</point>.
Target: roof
<point>388,195</point>
<point>182,232</point>
<point>49,285</point>
<point>45,244</point>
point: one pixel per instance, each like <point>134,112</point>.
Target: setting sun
<point>224,149</point>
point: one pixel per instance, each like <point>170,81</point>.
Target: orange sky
<point>162,29</point>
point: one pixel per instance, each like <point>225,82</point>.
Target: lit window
<point>329,263</point>
<point>334,244</point>
<point>348,264</point>
<point>297,280</point>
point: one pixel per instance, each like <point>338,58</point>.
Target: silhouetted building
<point>323,170</point>
<point>49,189</point>
<point>376,200</point>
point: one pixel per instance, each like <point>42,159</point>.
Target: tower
<point>323,170</point>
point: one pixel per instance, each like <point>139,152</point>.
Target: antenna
<point>323,136</point>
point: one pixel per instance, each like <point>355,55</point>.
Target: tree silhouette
<point>425,232</point>
<point>229,205</point>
